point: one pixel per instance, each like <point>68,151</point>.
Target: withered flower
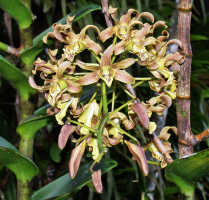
<point>75,158</point>
<point>75,43</point>
<point>138,154</point>
<point>64,134</point>
<point>97,180</point>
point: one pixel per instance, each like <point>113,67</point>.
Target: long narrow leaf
<point>19,11</point>
<point>23,167</point>
<point>16,78</point>
<point>65,185</point>
<point>30,126</point>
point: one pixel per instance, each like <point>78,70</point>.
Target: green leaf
<point>30,126</point>
<point>23,167</point>
<point>55,152</point>
<point>196,37</point>
<point>29,55</point>
<point>16,78</point>
<point>184,172</point>
<point>19,11</point>
<point>65,185</point>
<point>5,143</point>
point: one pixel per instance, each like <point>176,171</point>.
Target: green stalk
<point>104,98</point>
<point>27,108</point>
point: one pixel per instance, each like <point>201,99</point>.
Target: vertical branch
<point>183,90</point>
<point>25,144</point>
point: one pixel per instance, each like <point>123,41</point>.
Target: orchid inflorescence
<point>96,125</point>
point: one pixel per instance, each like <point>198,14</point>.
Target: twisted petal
<point>63,110</point>
<point>83,31</point>
<point>175,41</point>
<point>57,33</point>
<point>95,148</point>
<point>106,34</point>
<point>75,158</point>
<point>93,46</point>
<point>138,154</point>
<point>86,117</point>
<point>123,64</point>
<point>64,134</point>
<point>73,87</point>
<point>89,78</point>
<point>141,111</point>
<point>120,47</point>
<point>87,66</point>
<point>106,57</point>
<point>37,87</point>
<point>97,181</point>
<point>123,76</point>
<point>164,36</point>
<point>158,24</point>
<point>164,135</point>
<point>148,16</point>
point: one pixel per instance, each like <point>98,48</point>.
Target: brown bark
<point>183,91</point>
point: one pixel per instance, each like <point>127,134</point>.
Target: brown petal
<point>158,24</point>
<point>93,46</point>
<point>106,57</point>
<point>123,76</point>
<point>106,34</point>
<point>115,141</point>
<point>89,78</point>
<point>171,58</point>
<point>144,31</point>
<point>175,41</point>
<point>138,154</point>
<point>87,66</point>
<point>83,31</point>
<point>75,158</point>
<point>35,86</point>
<point>120,47</point>
<point>141,111</point>
<point>147,15</point>
<point>97,180</point>
<point>73,87</point>
<point>123,64</point>
<point>64,134</point>
<point>164,36</point>
<point>166,100</point>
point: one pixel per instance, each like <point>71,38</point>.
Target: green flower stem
<point>138,84</point>
<point>153,162</point>
<point>121,107</point>
<point>113,98</point>
<point>143,78</point>
<point>100,131</point>
<point>82,125</point>
<point>104,98</point>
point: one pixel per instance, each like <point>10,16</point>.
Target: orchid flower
<point>74,43</point>
<point>106,70</point>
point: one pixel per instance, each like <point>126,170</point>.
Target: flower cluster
<point>65,75</point>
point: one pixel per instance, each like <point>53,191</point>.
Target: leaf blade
<point>24,168</point>
<point>65,185</point>
<point>18,11</point>
<point>16,78</point>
